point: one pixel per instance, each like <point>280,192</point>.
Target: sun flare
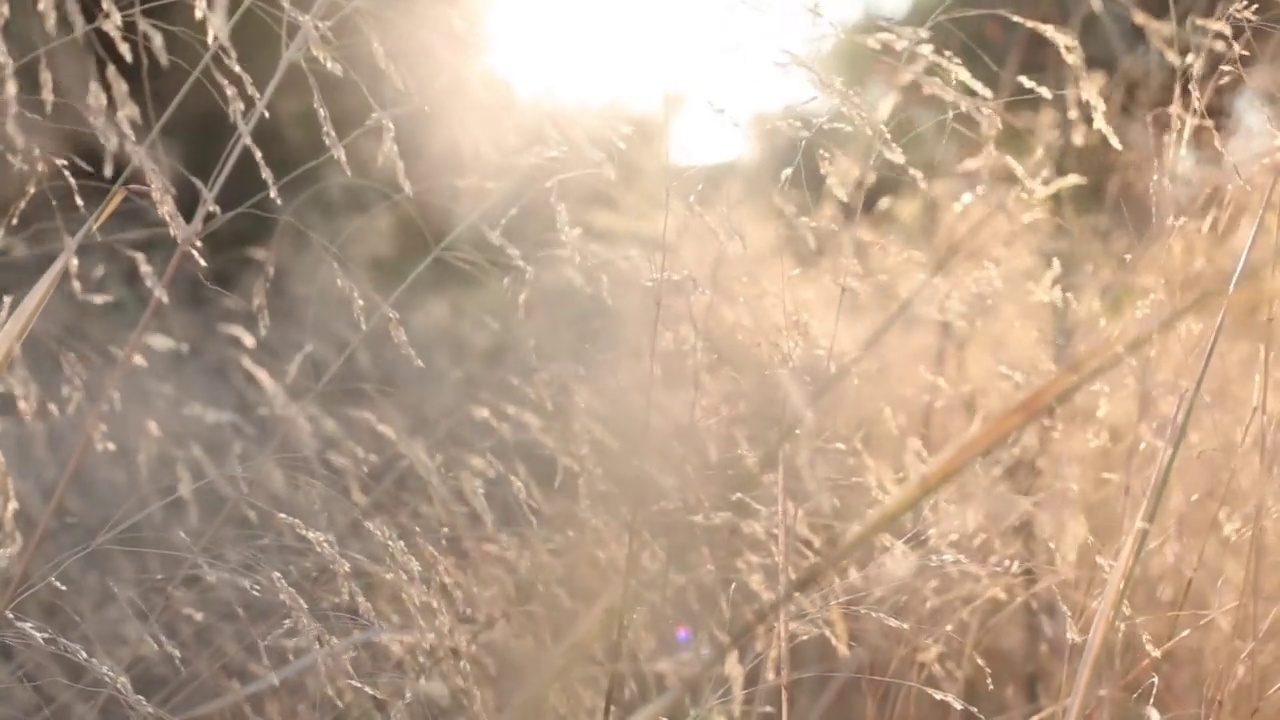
<point>724,61</point>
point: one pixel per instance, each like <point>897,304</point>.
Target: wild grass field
<point>410,399</point>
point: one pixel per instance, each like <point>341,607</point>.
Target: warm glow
<point>724,61</point>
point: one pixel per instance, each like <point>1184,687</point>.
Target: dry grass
<point>454,426</point>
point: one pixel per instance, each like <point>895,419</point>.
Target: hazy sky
<point>725,58</point>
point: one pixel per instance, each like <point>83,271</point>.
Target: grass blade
<point>1118,582</point>
<point>24,318</point>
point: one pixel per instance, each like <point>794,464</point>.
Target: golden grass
<point>992,456</point>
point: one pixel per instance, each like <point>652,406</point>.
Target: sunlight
<point>700,134</point>
<point>723,61</point>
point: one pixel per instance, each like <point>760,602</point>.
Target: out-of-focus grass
<point>629,396</point>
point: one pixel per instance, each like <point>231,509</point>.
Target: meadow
<point>412,399</point>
